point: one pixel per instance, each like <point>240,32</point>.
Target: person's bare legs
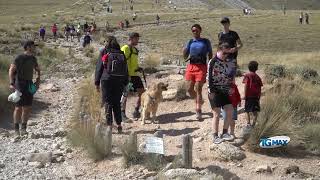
<point>232,127</point>
<point>248,118</point>
<point>228,109</point>
<point>255,117</point>
<point>17,113</point>
<point>191,90</point>
<point>198,90</point>
<point>26,110</point>
<point>136,113</point>
<point>215,120</point>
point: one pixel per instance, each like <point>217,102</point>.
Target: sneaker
<point>217,139</point>
<point>120,129</point>
<point>227,137</point>
<point>16,133</point>
<point>136,114</point>
<point>23,132</point>
<point>198,115</point>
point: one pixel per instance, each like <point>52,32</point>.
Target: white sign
<point>154,145</point>
<point>274,142</point>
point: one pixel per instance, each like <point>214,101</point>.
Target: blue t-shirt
<point>198,50</point>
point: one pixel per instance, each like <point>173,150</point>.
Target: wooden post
<point>187,151</point>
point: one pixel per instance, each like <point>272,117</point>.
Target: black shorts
<point>26,98</point>
<point>137,83</point>
<point>252,105</point>
<point>219,100</point>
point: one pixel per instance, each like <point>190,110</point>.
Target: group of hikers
<point>118,71</point>
<point>304,17</point>
<point>72,31</point>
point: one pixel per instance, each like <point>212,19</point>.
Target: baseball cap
<point>225,20</point>
<point>133,35</point>
<point>28,43</point>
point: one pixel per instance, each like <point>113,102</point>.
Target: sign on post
<point>154,145</point>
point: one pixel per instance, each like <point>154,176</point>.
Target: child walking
<point>252,89</point>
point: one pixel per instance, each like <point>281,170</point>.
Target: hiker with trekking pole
<point>135,82</point>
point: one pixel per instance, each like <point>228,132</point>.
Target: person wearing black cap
<point>20,76</point>
<point>230,37</point>
<point>131,53</point>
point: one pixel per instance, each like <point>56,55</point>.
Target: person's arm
<point>12,72</point>
<point>239,43</point>
<point>245,82</point>
<point>186,50</point>
<point>210,53</point>
<point>98,73</point>
<point>209,79</point>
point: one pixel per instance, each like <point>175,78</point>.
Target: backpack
<point>116,64</point>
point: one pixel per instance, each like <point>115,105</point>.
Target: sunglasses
<point>195,30</point>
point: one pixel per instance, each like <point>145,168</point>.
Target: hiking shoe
<point>23,132</point>
<point>217,139</point>
<point>16,133</point>
<point>227,137</point>
<point>198,115</point>
<point>136,114</point>
<point>120,129</point>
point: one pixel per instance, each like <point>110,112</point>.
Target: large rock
<point>263,168</point>
<point>40,157</point>
<point>245,133</point>
<point>238,142</point>
<point>170,94</point>
<point>227,152</point>
<point>292,169</point>
<point>36,164</point>
<point>181,173</point>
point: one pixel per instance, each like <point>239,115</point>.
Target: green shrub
<point>88,51</point>
<point>305,73</point>
<point>273,72</point>
<point>312,137</point>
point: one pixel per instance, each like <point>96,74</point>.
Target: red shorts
<point>196,72</point>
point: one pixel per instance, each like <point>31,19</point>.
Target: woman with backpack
<point>112,74</point>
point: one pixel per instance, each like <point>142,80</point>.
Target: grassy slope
<point>290,4</point>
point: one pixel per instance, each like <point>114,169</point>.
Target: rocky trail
<point>46,154</point>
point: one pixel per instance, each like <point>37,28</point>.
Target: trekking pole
<point>144,78</point>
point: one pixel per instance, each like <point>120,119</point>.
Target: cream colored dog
<point>150,100</point>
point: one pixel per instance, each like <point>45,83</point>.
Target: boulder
<point>40,157</point>
<point>36,164</point>
<point>263,168</point>
<point>227,152</point>
<point>245,133</point>
<point>292,169</point>
<point>170,94</point>
<point>181,173</point>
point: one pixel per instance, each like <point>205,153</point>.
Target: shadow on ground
<point>6,119</point>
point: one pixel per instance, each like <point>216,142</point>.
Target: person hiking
<point>131,53</point>
<point>197,51</point>
<point>230,37</point>
<point>87,39</point>
<point>306,15</point>
<point>221,73</point>
<point>67,31</point>
<point>85,27</point>
<point>157,19</point>
<point>42,32</point>
<point>20,77</point>
<point>235,99</point>
<point>54,31</point>
<point>111,76</point>
<point>78,32</point>
<point>134,16</point>
<point>127,23</point>
<point>72,32</point>
<point>252,90</point>
<point>301,18</point>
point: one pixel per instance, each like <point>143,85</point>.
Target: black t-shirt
<point>231,38</point>
<point>25,65</point>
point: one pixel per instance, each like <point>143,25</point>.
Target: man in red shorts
<point>197,51</point>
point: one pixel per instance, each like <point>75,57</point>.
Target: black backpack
<point>116,64</point>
